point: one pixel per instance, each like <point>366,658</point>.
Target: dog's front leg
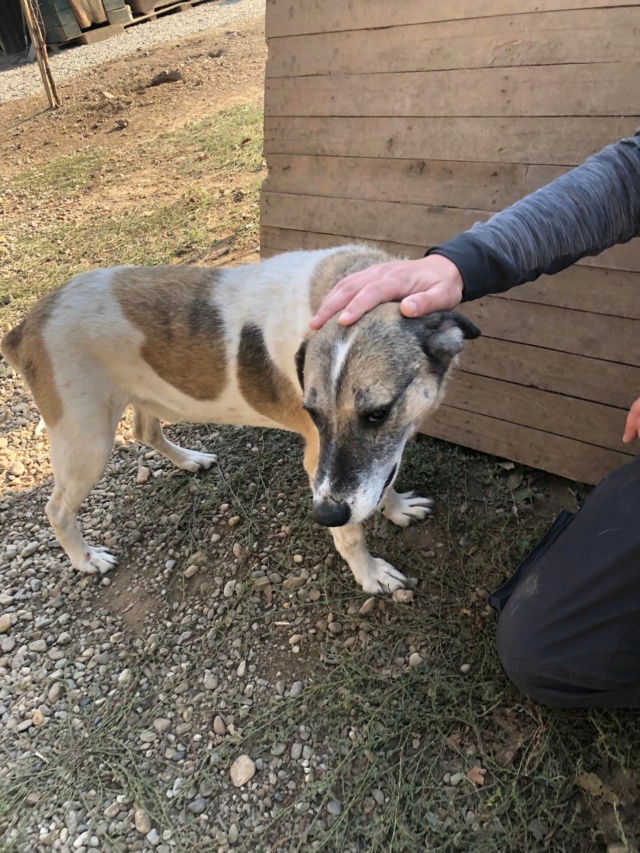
<point>372,573</point>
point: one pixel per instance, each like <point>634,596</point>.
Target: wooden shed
<point>406,122</point>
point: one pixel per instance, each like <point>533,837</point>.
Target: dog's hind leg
<point>147,429</point>
<point>402,509</point>
<point>373,574</point>
<point>80,448</point>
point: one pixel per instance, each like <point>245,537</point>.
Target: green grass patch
<point>69,174</point>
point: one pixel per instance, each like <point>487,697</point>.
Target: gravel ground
<point>22,82</point>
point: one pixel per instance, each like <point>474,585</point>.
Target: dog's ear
<point>442,334</point>
<point>300,359</point>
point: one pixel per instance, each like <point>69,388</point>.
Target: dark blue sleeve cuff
<point>483,271</point>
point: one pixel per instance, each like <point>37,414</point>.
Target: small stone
<point>233,834</point>
<point>198,806</point>
<point>166,77</point>
<point>335,628</point>
<point>210,682</point>
<point>296,689</point>
<point>64,639</point>
<point>334,808</point>
<point>112,811</point>
<point>219,725</point>
<point>8,644</point>
<point>295,639</point>
<point>229,589</point>
<point>38,646</point>
<point>5,623</point>
<point>242,668</point>
<point>55,691</point>
<point>242,771</point>
<point>378,796</point>
<point>141,477</point>
<point>298,558</point>
<point>617,847</point>
<point>152,837</point>
<point>278,749</point>
<point>24,725</point>
<point>142,821</point>
<point>368,606</point>
<point>123,679</point>
<point>148,737</point>
<point>296,751</point>
<point>161,725</point>
<point>465,668</point>
<point>17,469</point>
<point>190,571</point>
<point>234,521</point>
<point>294,582</point>
<point>403,596</point>
<point>415,659</point>
<point>456,778</point>
<point>37,717</point>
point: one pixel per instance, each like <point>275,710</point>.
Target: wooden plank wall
<point>405,123</point>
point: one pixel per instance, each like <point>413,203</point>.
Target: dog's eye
<point>377,416</point>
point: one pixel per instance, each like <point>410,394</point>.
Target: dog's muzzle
<point>331,514</point>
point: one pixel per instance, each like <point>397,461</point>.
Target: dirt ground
<point>230,628</point>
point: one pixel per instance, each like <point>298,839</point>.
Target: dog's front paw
<point>193,460</point>
<point>402,509</point>
<point>95,561</point>
<point>382,577</point>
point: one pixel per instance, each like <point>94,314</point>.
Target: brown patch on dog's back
<point>265,387</point>
<point>339,265</point>
<point>184,331</point>
<point>24,348</point>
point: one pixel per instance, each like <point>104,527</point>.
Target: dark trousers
<point>569,618</point>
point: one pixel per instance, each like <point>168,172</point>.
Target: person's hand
<point>429,284</point>
<point>632,427</point>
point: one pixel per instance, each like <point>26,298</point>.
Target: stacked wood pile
<point>405,123</point>
<point>68,19</point>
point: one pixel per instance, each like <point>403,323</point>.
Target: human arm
<point>581,213</point>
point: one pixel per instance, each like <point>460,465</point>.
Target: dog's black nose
<point>331,514</point>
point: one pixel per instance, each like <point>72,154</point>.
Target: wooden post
<point>39,47</point>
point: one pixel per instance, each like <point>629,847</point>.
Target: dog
<point>233,346</point>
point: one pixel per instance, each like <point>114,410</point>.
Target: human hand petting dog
<point>632,427</point>
<point>421,286</point>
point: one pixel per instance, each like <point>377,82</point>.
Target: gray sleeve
<point>581,213</point>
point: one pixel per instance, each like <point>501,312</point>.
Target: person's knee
<point>526,662</point>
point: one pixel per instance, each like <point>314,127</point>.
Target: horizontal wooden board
<point>407,224</point>
<point>558,414</point>
<point>551,38</point>
<point>557,454</point>
<point>295,17</point>
<point>582,333</point>
<point>604,89</point>
<point>583,288</point>
<point>558,141</point>
<point>481,186</point>
<point>549,370</point>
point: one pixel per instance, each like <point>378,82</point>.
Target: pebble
<point>142,821</point>
<point>161,725</point>
<point>278,749</point>
<point>219,725</point>
<point>242,770</point>
<point>152,837</point>
<point>37,717</point>
<point>142,475</point>
<point>415,659</point>
<point>198,806</point>
<point>403,596</point>
<point>465,668</point>
<point>234,520</point>
<point>5,623</point>
<point>233,834</point>
<point>368,606</point>
<point>112,811</point>
<point>296,689</point>
<point>190,571</point>
<point>38,646</point>
<point>64,639</point>
<point>55,692</point>
<point>296,751</point>
<point>334,808</point>
<point>17,469</point>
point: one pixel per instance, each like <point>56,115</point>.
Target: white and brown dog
<point>224,346</point>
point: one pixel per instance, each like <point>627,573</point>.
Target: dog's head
<point>367,388</point>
